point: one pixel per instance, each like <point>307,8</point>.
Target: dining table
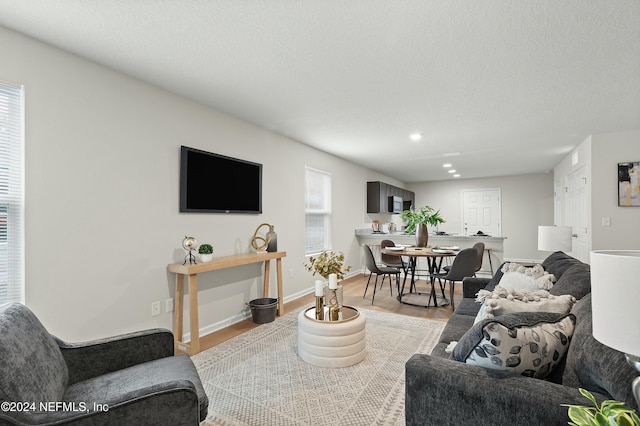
<point>434,256</point>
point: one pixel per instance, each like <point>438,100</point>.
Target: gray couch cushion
<point>594,366</point>
<point>120,387</point>
<point>468,307</point>
<point>32,367</point>
<point>440,350</point>
<point>456,327</point>
<point>576,281</point>
<point>557,263</point>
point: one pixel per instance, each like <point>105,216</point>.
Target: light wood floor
<point>353,291</point>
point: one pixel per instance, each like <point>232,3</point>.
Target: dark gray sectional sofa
<point>442,391</point>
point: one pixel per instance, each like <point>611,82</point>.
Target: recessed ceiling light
<point>456,175</point>
<point>446,165</point>
<point>452,171</point>
<point>415,136</point>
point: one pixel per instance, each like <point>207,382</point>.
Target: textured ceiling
<point>512,86</point>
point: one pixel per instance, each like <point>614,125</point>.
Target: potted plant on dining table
<point>417,221</point>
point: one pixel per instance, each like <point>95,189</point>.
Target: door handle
<point>574,235</point>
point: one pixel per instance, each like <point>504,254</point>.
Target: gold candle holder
<point>320,308</point>
<point>334,309</point>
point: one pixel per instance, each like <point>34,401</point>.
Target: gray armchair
<point>128,379</point>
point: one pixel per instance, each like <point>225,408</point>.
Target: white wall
<point>578,161</point>
<point>102,220</point>
<point>527,201</point>
<point>601,154</point>
<point>608,150</point>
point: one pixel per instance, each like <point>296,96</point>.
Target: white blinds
<point>11,193</point>
<point>317,211</point>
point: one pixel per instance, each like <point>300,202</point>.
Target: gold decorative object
<point>320,308</point>
<point>189,244</point>
<point>261,243</point>
<point>334,310</point>
<point>329,265</point>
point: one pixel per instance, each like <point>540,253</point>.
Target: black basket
<point>263,310</point>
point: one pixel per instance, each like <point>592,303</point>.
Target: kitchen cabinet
<point>378,194</point>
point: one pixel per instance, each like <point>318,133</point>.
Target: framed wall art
<point>629,184</point>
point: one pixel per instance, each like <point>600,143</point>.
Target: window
<point>11,193</point>
<point>317,211</point>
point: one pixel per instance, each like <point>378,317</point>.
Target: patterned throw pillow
<point>527,343</point>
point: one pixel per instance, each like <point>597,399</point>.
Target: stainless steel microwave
<point>395,204</point>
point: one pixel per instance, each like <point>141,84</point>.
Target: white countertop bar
<point>368,233</point>
<point>493,244</point>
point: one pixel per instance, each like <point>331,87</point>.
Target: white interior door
<point>558,201</point>
<point>576,213</point>
<point>481,211</point>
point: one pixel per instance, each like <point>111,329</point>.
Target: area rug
<point>258,379</point>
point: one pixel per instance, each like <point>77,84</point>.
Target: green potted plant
<point>610,412</point>
<point>206,252</point>
<point>417,220</point>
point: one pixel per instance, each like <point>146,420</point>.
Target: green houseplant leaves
<point>609,413</point>
<point>205,249</point>
<point>426,216</point>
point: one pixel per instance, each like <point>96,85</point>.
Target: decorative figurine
<point>266,243</point>
<point>189,244</point>
<point>319,300</point>
<point>334,309</point>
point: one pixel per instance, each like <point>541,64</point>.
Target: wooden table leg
<point>267,273</point>
<point>193,310</point>
<point>178,314</point>
<point>279,276</point>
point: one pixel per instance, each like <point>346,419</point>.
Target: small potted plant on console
<point>206,252</point>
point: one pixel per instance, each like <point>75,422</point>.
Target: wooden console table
<point>191,271</point>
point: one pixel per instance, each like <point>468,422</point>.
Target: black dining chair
<point>373,268</point>
<point>390,260</point>
<point>480,249</point>
<point>464,265</point>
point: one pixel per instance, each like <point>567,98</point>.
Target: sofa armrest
<point>471,285</point>
<point>443,391</point>
<point>94,358</point>
<point>169,403</point>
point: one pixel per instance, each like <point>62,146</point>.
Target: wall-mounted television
<point>214,183</point>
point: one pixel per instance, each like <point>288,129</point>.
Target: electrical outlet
<point>168,304</point>
<point>606,221</point>
<point>290,273</point>
<point>155,309</point>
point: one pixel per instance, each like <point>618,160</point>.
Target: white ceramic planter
<point>206,257</point>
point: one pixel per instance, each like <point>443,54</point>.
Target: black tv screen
<point>214,183</point>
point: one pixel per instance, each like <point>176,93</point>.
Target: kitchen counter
<point>368,233</point>
<point>494,247</point>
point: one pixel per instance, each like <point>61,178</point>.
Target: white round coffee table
<point>332,344</point>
